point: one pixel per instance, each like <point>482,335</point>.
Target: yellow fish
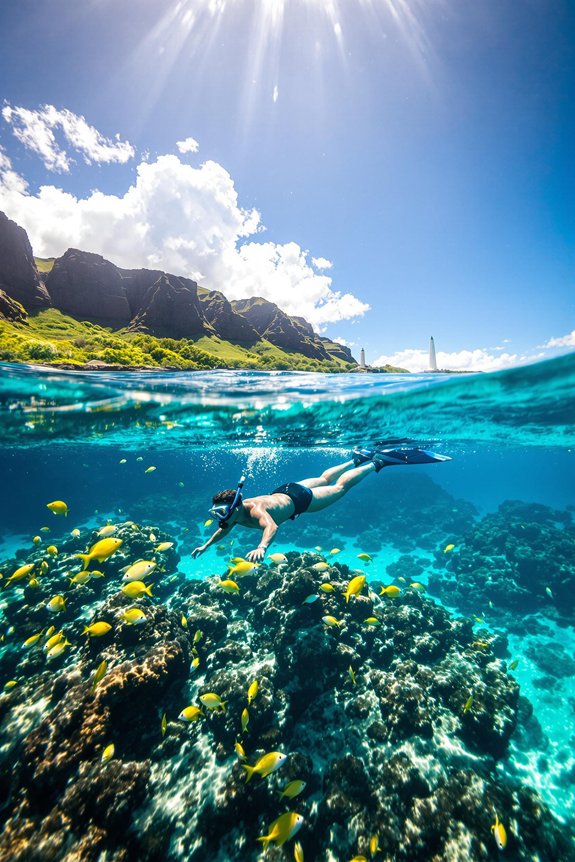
<point>417,586</point>
<point>101,551</point>
<point>298,852</point>
<point>448,548</point>
<point>184,622</point>
<point>327,588</point>
<point>499,834</point>
<point>245,720</point>
<point>239,749</point>
<point>267,764</point>
<point>195,664</point>
<point>283,829</point>
<point>80,578</point>
<point>58,507</point>
<point>390,591</point>
<point>52,550</point>
<point>164,724</point>
<point>100,673</point>
<point>135,589</point>
<point>209,522</point>
<point>277,558</point>
<point>45,530</point>
<point>229,586</point>
<point>20,573</point>
<point>366,558</point>
<point>53,640</point>
<point>198,635</point>
<point>33,582</point>
<point>242,568</point>
<point>108,753</point>
<point>140,570</point>
<point>75,533</point>
<point>163,546</point>
<point>149,469</point>
<point>56,604</point>
<point>331,621</point>
<point>10,684</point>
<point>468,703</point>
<point>57,649</point>
<point>351,673</point>
<point>32,640</point>
<point>252,691</point>
<point>50,631</point>
<point>213,701</point>
<point>374,845</point>
<point>134,617</point>
<point>320,567</point>
<point>514,664</point>
<point>335,551</point>
<point>106,531</point>
<point>293,789</point>
<point>372,621</point>
<point>190,713</point>
<point>37,540</point>
<point>97,630</point>
<point>123,460</point>
<point>354,587</point>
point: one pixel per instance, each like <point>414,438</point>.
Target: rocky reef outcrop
<point>518,559</point>
<point>391,714</point>
<point>19,278</point>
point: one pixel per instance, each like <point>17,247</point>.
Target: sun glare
<point>197,27</point>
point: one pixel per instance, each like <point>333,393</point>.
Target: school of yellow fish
<point>286,826</point>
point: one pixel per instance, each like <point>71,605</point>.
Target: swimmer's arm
<point>219,534</point>
<point>270,528</point>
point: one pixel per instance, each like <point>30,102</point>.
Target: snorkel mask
<point>224,511</point>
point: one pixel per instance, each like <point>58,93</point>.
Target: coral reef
<point>393,713</point>
<point>518,559</point>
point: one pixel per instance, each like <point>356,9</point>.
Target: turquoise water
<point>504,503</point>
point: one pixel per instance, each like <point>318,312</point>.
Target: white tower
<point>362,358</point>
<point>432,358</point>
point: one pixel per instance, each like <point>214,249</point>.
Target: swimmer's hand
<point>197,552</point>
<point>256,555</point>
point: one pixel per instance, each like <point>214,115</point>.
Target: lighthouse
<point>362,358</point>
<point>432,358</point>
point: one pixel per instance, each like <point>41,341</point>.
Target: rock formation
<point>170,308</point>
<point>10,309</point>
<point>293,334</point>
<point>19,277</point>
<point>86,286</point>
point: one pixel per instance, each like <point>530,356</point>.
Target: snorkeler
<point>268,512</point>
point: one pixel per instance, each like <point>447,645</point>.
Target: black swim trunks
<point>300,495</point>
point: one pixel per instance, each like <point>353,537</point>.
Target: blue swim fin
<point>393,457</point>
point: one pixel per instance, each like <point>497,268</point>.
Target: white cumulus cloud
<point>185,220</point>
<point>463,360</point>
<point>188,145</point>
<point>321,263</point>
<point>563,341</point>
<point>36,131</point>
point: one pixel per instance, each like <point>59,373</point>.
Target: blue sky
<point>390,169</point>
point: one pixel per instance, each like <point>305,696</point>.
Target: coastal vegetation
<point>54,338</point>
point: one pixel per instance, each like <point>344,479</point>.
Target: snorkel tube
<point>231,507</point>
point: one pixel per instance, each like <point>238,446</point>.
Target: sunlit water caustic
<point>422,715</point>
